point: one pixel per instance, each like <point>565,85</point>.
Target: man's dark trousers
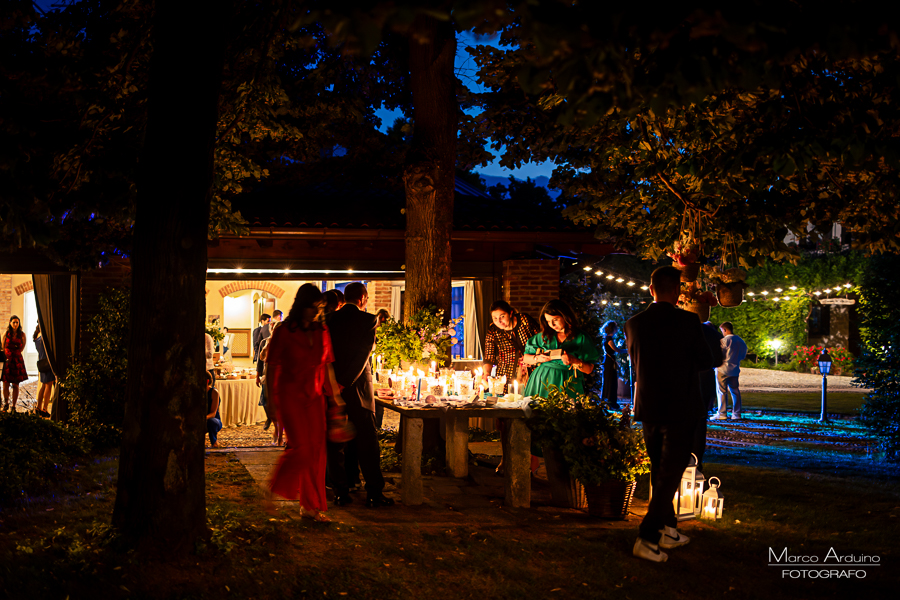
<point>368,454</point>
<point>669,448</point>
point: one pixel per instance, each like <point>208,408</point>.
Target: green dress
<point>554,372</point>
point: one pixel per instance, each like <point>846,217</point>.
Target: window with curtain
<point>458,308</point>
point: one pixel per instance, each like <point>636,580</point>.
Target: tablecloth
<point>239,402</point>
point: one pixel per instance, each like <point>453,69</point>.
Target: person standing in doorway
<point>45,374</point>
<point>14,366</point>
<point>668,352</point>
<point>735,350</point>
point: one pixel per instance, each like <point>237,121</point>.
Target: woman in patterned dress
<point>504,348</point>
<point>504,343</point>
<point>14,367</point>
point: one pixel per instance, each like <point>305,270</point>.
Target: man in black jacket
<point>353,339</point>
<point>668,352</point>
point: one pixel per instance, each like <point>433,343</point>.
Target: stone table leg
<point>411,477</point>
<point>517,459</point>
<point>457,444</point>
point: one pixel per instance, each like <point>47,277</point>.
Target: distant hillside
<point>542,181</point>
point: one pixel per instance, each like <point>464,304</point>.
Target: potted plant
<point>599,447</point>
<point>695,300</point>
<point>730,285</point>
<point>685,254</point>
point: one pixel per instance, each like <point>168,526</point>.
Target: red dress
<point>14,367</point>
<point>298,380</point>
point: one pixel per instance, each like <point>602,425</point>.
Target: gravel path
<point>764,380</point>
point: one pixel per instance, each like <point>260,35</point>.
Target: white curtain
<point>471,299</point>
<point>395,301</point>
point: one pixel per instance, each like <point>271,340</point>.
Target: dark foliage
<point>33,452</point>
<point>94,386</point>
<point>879,365</point>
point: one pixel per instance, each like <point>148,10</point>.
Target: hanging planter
<point>689,272</point>
<point>730,295</point>
<point>694,300</point>
<point>701,309</point>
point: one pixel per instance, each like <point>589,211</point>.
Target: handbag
<point>43,366</point>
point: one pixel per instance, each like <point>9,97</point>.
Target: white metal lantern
<point>688,495</point>
<point>712,501</point>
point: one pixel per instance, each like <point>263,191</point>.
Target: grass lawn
<point>843,403</point>
<point>59,546</point>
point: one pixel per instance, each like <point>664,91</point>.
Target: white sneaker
<point>718,417</point>
<point>671,538</point>
<point>735,417</point>
<point>647,551</point>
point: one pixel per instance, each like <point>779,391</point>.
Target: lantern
<point>712,501</point>
<point>824,369</point>
<point>824,362</point>
<point>690,491</point>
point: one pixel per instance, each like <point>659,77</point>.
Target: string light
<point>630,283</point>
<point>644,287</point>
<point>588,268</point>
<point>817,293</point>
<point>779,290</point>
<point>619,280</point>
<point>793,287</point>
<point>598,272</point>
<point>765,293</point>
<point>750,294</point>
<point>610,276</point>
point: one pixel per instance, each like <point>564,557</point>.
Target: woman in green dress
<point>559,331</point>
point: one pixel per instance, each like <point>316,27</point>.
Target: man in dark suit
<point>256,338</point>
<point>668,352</point>
<point>353,339</point>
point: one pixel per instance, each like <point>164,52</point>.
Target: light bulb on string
<point>793,287</point>
<point>779,290</point>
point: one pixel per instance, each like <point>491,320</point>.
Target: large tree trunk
<point>429,178</point>
<point>160,502</point>
<point>430,171</point>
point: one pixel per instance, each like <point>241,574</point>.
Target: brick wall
<point>379,296</point>
<point>237,286</point>
<point>529,284</point>
<point>6,293</point>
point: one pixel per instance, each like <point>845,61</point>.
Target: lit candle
<point>470,357</point>
<point>481,392</point>
<point>434,369</point>
<point>516,387</point>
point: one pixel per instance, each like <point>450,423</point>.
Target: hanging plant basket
<point>689,272</point>
<point>730,294</point>
<point>701,309</point>
<point>610,499</point>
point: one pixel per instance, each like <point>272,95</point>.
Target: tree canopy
<point>734,126</point>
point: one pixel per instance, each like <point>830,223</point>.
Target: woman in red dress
<point>14,367</point>
<point>298,363</point>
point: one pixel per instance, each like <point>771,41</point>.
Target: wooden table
<point>516,448</point>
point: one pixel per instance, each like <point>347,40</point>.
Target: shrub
<point>805,358</point>
<point>32,453</point>
<point>94,386</point>
<point>878,367</point>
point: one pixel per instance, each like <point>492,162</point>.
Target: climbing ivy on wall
<point>760,319</point>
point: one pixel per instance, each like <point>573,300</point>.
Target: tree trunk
<point>429,175</point>
<point>429,179</point>
<point>160,500</point>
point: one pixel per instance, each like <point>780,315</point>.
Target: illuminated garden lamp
<point>824,369</point>
<point>712,501</point>
<point>775,345</point>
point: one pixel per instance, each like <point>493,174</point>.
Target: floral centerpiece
<point>423,339</point>
<point>215,332</point>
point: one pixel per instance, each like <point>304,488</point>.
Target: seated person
<point>213,421</point>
